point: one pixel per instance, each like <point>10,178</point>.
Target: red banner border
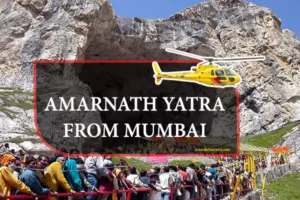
<point>129,61</point>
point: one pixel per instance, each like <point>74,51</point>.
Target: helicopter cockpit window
<point>220,72</point>
<point>212,72</point>
<point>228,72</point>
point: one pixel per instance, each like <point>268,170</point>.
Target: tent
<point>282,149</point>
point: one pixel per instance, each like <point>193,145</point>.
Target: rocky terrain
<point>17,120</point>
<point>16,114</point>
<point>89,29</point>
<point>292,140</point>
<point>270,90</point>
<point>46,30</point>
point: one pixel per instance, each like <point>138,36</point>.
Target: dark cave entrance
<point>136,80</point>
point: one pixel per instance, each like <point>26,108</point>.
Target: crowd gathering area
<point>68,176</point>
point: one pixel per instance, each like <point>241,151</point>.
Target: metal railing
<point>201,195</point>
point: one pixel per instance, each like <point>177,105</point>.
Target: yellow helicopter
<point>205,73</point>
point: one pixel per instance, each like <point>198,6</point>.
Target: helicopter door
<point>220,75</point>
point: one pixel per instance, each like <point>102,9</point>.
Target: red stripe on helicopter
<point>217,81</point>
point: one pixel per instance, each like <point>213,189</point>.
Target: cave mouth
<point>135,79</point>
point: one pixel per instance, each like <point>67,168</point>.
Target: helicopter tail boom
<point>157,72</point>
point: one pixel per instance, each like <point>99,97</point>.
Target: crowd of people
<point>23,174</point>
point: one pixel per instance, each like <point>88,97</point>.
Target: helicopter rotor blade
<point>239,59</point>
<point>212,59</point>
<point>228,67</point>
<point>203,63</point>
<point>183,53</point>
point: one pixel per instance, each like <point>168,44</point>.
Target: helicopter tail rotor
<point>157,73</point>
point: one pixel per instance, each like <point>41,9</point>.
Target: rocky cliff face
<point>270,89</point>
<point>88,29</point>
<point>55,30</point>
<point>292,140</point>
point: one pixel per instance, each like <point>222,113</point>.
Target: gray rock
<point>34,30</point>
<point>277,172</point>
<point>53,29</point>
<point>292,141</point>
<point>270,89</point>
